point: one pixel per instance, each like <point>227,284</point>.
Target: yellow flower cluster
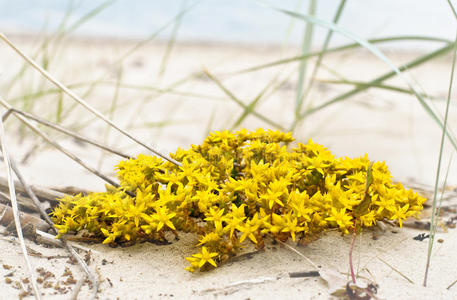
<point>238,187</point>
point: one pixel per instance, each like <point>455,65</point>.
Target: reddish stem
<point>350,256</point>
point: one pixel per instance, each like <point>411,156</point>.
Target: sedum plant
<point>235,188</point>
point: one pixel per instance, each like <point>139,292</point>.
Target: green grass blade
<point>414,63</point>
<point>382,86</point>
<point>306,47</point>
<point>90,15</point>
<point>251,106</point>
<point>452,8</point>
<point>438,171</point>
<point>339,49</point>
<point>172,40</point>
<point>386,76</point>
<point>291,24</point>
<point>132,50</point>
<point>59,107</point>
<point>321,55</point>
<point>157,32</point>
<point>367,45</point>
<point>241,103</point>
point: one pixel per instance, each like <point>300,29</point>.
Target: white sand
<point>386,125</point>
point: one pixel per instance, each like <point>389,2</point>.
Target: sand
<point>387,126</point>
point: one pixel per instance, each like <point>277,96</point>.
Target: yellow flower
<point>215,216</point>
<point>136,212</point>
<point>276,189</point>
<point>291,226</point>
<point>399,213</point>
<point>234,219</point>
<point>317,163</point>
<point>368,219</point>
<point>205,257</point>
<point>245,183</point>
<point>162,217</point>
<point>208,238</point>
<point>343,220</point>
<point>248,230</point>
<point>110,236</point>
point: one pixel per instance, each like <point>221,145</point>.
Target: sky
<point>239,21</point>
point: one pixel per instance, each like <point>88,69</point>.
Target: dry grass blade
<point>300,254</point>
<point>57,146</point>
<point>17,221</point>
<point>43,193</point>
<point>452,284</point>
<point>77,288</point>
<point>31,194</point>
<point>48,220</point>
<point>396,270</point>
<point>69,132</point>
<point>82,101</point>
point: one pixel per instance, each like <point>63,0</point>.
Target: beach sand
<point>171,111</point>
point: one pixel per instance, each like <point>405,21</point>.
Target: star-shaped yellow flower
<point>205,257</point>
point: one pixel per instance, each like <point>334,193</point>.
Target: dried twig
<point>81,101</point>
<point>7,219</point>
<point>51,240</point>
<point>17,220</point>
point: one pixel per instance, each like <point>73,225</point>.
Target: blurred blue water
<point>245,21</point>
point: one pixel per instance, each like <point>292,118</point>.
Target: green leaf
<point>363,206</point>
